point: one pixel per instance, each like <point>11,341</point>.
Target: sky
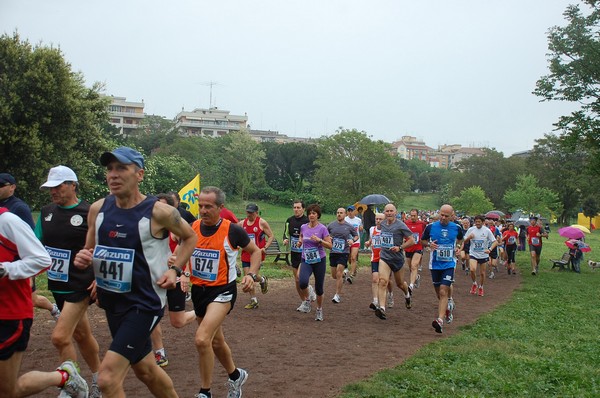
<point>447,72</point>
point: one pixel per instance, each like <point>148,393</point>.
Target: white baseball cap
<point>58,175</point>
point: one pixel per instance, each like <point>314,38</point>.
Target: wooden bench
<point>275,250</point>
<point>563,263</point>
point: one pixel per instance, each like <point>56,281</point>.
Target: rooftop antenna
<point>210,84</point>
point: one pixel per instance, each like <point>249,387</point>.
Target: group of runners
<point>135,255</point>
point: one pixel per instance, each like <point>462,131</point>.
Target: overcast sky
<point>444,71</point>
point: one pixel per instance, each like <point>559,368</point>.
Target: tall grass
<point>543,342</point>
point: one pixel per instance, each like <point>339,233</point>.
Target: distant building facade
<point>409,147</point>
<point>125,115</point>
<point>275,136</point>
<point>211,122</point>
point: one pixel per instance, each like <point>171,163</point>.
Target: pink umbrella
<point>584,247</point>
<point>571,233</point>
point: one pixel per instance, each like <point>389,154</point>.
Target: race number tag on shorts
<point>338,245</point>
<point>59,268</point>
<point>416,237</point>
<point>512,240</point>
<point>444,253</point>
<point>387,240</point>
<point>205,264</point>
<point>312,256</point>
<point>295,242</point>
<point>478,245</point>
<point>376,241</point>
<point>535,241</point>
<point>113,268</point>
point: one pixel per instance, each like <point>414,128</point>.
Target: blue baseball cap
<point>7,179</point>
<point>351,207</point>
<point>123,155</point>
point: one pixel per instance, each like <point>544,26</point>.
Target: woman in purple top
<point>314,237</point>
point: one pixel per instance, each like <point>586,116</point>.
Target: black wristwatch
<point>177,270</point>
<point>186,274</point>
<point>253,276</point>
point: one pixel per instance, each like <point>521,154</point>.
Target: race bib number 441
<point>113,268</point>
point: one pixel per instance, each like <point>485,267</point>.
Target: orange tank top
<point>213,261</point>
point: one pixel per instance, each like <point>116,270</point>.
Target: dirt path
<point>289,354</point>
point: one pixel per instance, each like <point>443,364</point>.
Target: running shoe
<point>350,279</point>
<point>161,359</point>
<point>304,307</point>
<point>449,316</point>
<point>312,296</point>
<point>418,281</point>
<point>200,395</point>
<point>252,305</point>
<point>319,315</point>
<point>390,299</point>
<point>336,298</point>
<point>75,385</point>
<point>238,271</point>
<point>95,391</point>
<point>235,387</point>
<point>380,313</point>
<point>408,301</point>
<point>451,304</point>
<point>345,276</point>
<point>480,291</point>
<point>473,289</point>
<point>438,325</point>
<point>55,312</point>
<point>533,272</point>
<point>373,306</point>
<point>410,290</point>
<point>492,275</point>
<point>537,269</point>
<point>420,268</point>
<point>264,285</point>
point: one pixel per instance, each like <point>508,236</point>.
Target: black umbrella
<point>374,199</point>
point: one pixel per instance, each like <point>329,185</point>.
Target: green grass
<point>543,342</point>
<point>421,201</point>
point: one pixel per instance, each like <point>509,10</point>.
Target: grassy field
<point>542,343</point>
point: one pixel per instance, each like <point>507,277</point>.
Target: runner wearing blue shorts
<point>343,235</point>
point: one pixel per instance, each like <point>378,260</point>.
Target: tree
<point>153,133</point>
<point>530,198</point>
<point>351,166</point>
<point>244,164</point>
<point>574,62</point>
<point>472,201</point>
<point>165,173</point>
<point>563,169</point>
<point>290,165</point>
<point>591,208</point>
<point>48,117</point>
<point>492,172</point>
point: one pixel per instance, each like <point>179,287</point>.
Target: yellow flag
<point>189,194</point>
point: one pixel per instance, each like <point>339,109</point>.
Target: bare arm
<point>267,230</point>
<point>255,260</point>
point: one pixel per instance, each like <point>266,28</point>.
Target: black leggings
<point>511,250</point>
<point>318,270</point>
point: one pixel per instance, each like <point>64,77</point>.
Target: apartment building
<point>211,122</point>
<point>125,115</point>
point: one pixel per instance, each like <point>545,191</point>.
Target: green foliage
<point>350,166</point>
<point>573,63</point>
<point>154,132</point>
<point>165,173</point>
<point>492,172</point>
<point>472,201</point>
<point>47,117</point>
<point>289,166</point>
<point>244,164</point>
<point>564,169</point>
<point>423,177</point>
<point>529,197</point>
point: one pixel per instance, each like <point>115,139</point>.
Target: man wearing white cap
<point>62,228</point>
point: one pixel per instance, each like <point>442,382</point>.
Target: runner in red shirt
<point>534,238</point>
<point>510,238</point>
<point>415,253</point>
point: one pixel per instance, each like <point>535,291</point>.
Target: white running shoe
<point>418,281</point>
<point>492,275</point>
<point>312,296</point>
<point>75,385</point>
<point>319,316</point>
<point>390,300</point>
<point>235,387</point>
<point>304,307</point>
<point>336,298</point>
